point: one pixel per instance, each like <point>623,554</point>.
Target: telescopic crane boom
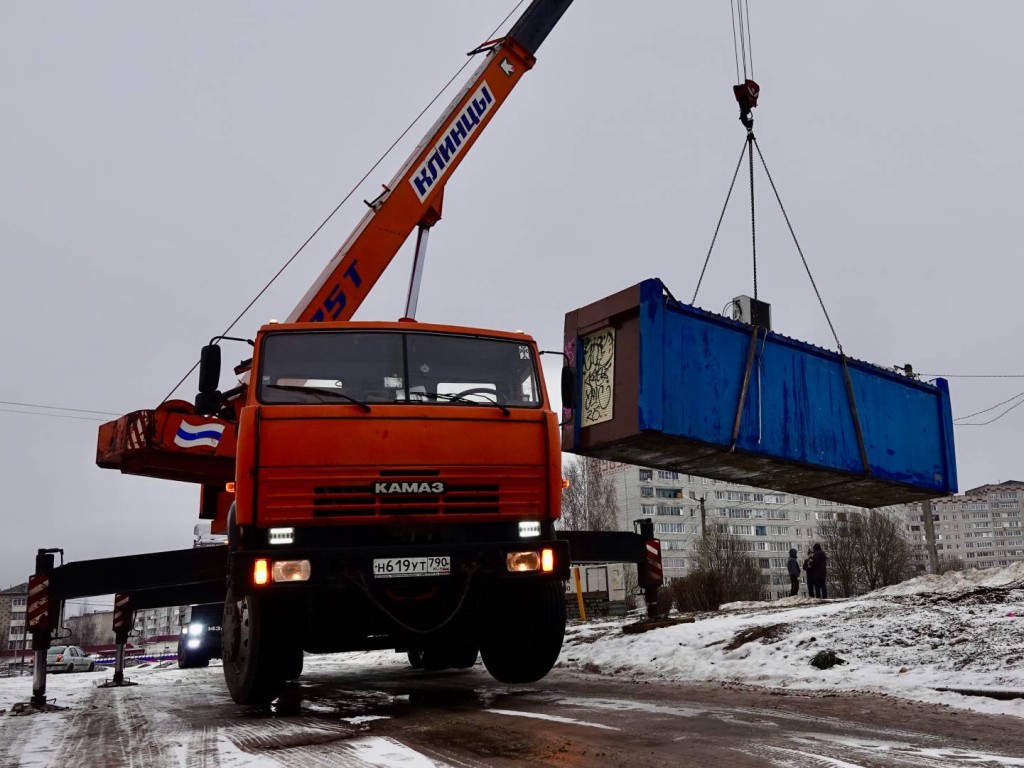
<point>413,197</point>
<point>161,443</point>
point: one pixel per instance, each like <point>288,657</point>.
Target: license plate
<point>395,567</point>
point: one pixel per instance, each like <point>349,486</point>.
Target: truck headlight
<point>531,561</point>
<point>195,629</point>
<point>291,570</point>
<point>193,642</point>
<point>522,561</point>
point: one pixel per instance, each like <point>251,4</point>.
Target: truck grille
<point>298,494</point>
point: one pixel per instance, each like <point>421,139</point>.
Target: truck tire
<point>521,630</point>
<point>255,652</point>
<point>462,655</point>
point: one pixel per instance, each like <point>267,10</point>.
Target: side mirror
<point>208,398</point>
<point>569,388</point>
<point>209,369</point>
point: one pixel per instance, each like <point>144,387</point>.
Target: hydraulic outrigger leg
<point>124,620</point>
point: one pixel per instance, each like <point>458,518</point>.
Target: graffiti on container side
<point>598,376</point>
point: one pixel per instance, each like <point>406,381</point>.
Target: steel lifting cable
<point>346,198</point>
<point>753,224</point>
<point>744,51</point>
<point>721,216</point>
<point>799,250</point>
<point>746,93</point>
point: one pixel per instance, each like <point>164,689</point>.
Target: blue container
<point>666,385</point>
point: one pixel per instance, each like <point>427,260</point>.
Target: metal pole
<point>929,535</point>
<point>417,271</point>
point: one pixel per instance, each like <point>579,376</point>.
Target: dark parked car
<point>68,658</point>
<point>200,638</point>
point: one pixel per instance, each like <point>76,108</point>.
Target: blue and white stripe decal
<point>194,435</point>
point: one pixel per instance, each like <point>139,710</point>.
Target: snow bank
<point>962,630</point>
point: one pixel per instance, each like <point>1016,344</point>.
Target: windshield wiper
<point>467,401</point>
<point>317,392</point>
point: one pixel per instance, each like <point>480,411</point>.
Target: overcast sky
<point>159,162</point>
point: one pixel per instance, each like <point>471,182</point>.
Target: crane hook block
<point>746,94</point>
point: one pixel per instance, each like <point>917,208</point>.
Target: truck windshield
<point>397,368</point>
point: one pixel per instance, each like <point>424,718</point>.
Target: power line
<point>973,375</point>
<point>57,408</point>
<point>52,415</point>
<point>997,418</point>
<point>992,408</point>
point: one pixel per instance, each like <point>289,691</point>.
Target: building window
<point>761,530</point>
<point>668,493</point>
<point>646,474</point>
<point>646,491</point>
<point>648,509</point>
<point>666,475</point>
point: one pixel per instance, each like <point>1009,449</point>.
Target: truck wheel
<point>183,659</point>
<point>463,655</point>
<point>415,656</point>
<point>255,662</point>
<point>521,631</point>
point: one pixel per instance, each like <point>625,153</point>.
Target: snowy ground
<point>962,630</point>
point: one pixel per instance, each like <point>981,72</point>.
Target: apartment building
<point>769,522</point>
<point>161,622</point>
<point>12,616</point>
<point>980,528</point>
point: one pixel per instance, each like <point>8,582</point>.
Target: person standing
<point>819,574</point>
<point>794,573</point>
<point>807,570</point>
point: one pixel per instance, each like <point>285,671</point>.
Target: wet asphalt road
<point>351,714</point>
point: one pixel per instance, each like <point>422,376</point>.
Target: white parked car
<point>68,658</point>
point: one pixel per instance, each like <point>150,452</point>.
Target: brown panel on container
<point>621,312</point>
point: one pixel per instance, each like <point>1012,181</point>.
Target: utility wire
<point>996,418</point>
<point>978,413</point>
<point>346,198</point>
<point>973,375</point>
<point>57,408</point>
<point>52,415</point>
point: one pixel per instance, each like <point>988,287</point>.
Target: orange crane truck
<point>381,484</point>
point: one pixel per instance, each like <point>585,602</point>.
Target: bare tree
<point>588,504</point>
<point>886,557</point>
<point>840,544</point>
<point>723,572</point>
<point>866,550</point>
